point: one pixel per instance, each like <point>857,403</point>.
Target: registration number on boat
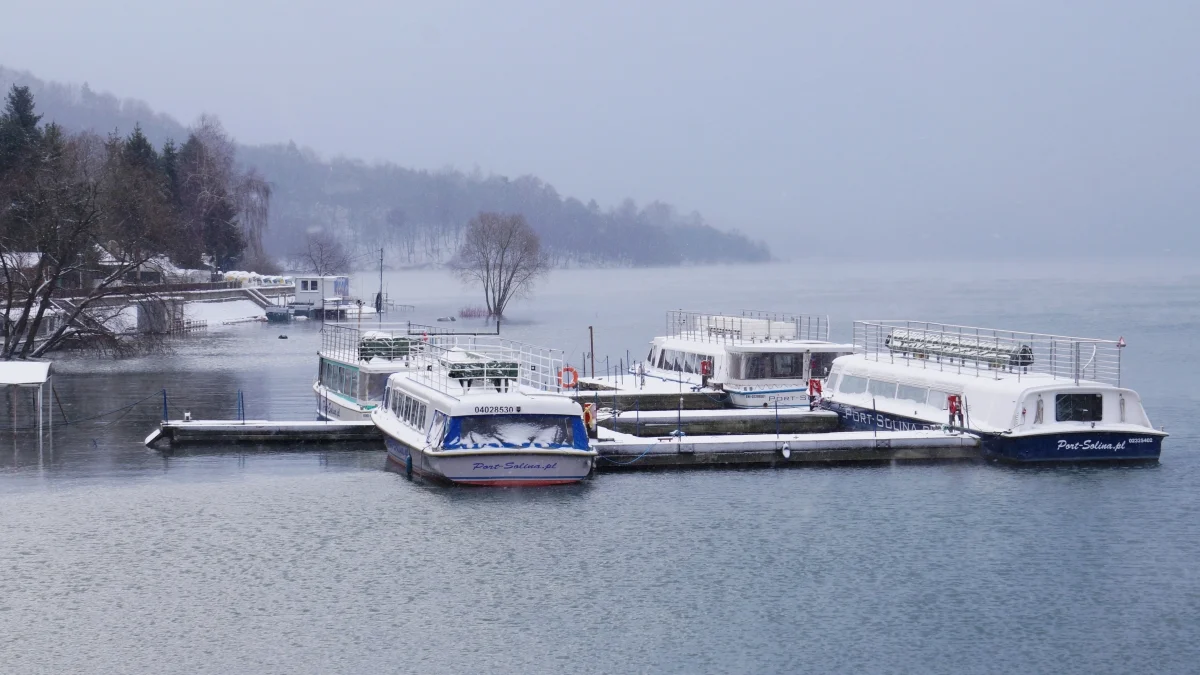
<point>492,409</point>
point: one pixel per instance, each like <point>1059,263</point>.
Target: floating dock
<point>649,400</point>
<point>179,432</point>
<point>625,452</point>
<point>622,452</point>
<point>715,422</point>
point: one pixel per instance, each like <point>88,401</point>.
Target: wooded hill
<point>419,216</point>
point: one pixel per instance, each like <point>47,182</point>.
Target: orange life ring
<point>570,383</point>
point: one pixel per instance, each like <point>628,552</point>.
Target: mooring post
<point>776,419</point>
<point>679,418</point>
<point>874,419</point>
<point>164,404</point>
<point>637,420</point>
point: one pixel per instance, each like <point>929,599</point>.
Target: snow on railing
<point>353,342</point>
<point>989,351</point>
<point>746,326</point>
<point>459,365</point>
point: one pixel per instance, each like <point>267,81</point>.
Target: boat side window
<point>820,363</point>
<point>735,365</point>
<point>852,384</point>
<point>662,359</point>
<point>407,405</point>
<point>882,388</point>
<point>689,363</point>
<point>907,392</point>
<point>1078,407</point>
<point>375,385</point>
<point>787,366</point>
<point>434,436</point>
<point>939,399</point>
<point>756,366</point>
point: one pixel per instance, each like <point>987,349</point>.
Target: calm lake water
<point>115,558</point>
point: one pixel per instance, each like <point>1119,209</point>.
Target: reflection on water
<point>317,559</point>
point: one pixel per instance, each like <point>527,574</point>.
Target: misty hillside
<point>418,215</point>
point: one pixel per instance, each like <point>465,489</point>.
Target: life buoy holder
<point>568,382</point>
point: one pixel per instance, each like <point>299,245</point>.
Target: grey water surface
<point>115,558</point>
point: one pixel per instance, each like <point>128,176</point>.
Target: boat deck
<point>179,432</point>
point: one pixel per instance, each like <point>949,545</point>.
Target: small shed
<point>318,291</point>
<point>29,374</point>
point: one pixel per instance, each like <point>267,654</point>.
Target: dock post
<point>164,404</point>
<point>637,419</point>
<point>679,419</point>
<point>776,419</point>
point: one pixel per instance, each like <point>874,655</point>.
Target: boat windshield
<point>768,366</point>
<point>511,431</point>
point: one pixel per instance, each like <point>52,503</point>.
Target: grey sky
<point>768,117</point>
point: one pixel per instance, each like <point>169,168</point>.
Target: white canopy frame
<point>32,375</point>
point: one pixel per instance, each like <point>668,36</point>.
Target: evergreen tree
<point>19,134</point>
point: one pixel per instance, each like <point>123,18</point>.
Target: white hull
<point>769,398</point>
<point>500,468</point>
<point>331,406</point>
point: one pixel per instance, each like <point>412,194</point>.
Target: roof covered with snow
<point>24,373</point>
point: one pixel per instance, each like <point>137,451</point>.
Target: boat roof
<point>959,378</point>
<point>745,324</point>
<point>748,346</point>
<point>515,401</point>
<point>925,344</point>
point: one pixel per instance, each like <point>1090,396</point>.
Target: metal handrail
<point>461,365</point>
<point>988,351</point>
<point>746,326</point>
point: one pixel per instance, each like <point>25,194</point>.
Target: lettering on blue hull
<point>866,420</point>
<point>509,466</point>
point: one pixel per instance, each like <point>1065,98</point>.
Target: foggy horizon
<point>1070,124</point>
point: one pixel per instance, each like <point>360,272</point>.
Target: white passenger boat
<point>485,411</point>
<point>1030,397</point>
<point>760,359</point>
<point>356,359</point>
<point>354,365</point>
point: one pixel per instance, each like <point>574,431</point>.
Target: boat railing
<point>747,326</point>
<point>808,326</point>
<point>363,341</point>
<point>989,352</point>
<point>459,364</point>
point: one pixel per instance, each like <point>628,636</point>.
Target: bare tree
<point>51,243</point>
<point>504,255</point>
<point>323,254</point>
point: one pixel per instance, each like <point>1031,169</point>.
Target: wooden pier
<point>622,452</point>
<point>652,400</point>
<point>718,422</point>
<point>180,432</point>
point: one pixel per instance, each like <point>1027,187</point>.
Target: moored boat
<point>356,360</point>
<point>1030,397</point>
<point>485,411</point>
<point>760,359</point>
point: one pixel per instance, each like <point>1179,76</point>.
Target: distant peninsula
<point>418,216</point>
